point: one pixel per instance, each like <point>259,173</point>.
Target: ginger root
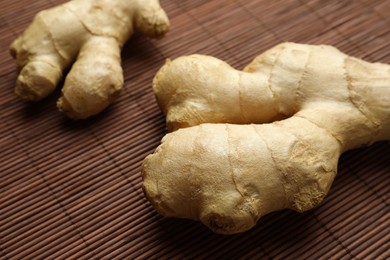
<point>263,139</point>
<point>88,34</point>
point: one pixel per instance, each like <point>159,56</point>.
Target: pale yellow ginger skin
<point>86,36</point>
<point>226,168</point>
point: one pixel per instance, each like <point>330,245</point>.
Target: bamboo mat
<point>72,190</point>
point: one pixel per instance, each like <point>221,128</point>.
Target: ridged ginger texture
<point>85,36</point>
<point>263,139</point>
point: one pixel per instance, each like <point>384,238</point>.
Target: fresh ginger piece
<point>88,34</point>
<point>263,139</point>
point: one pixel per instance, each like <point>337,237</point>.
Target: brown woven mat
<point>73,189</point>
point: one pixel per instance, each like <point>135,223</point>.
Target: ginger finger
<point>61,35</point>
<point>81,99</point>
<point>229,175</point>
<point>45,50</point>
<point>202,89</point>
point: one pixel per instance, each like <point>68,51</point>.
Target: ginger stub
<point>263,139</point>
<point>85,36</point>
